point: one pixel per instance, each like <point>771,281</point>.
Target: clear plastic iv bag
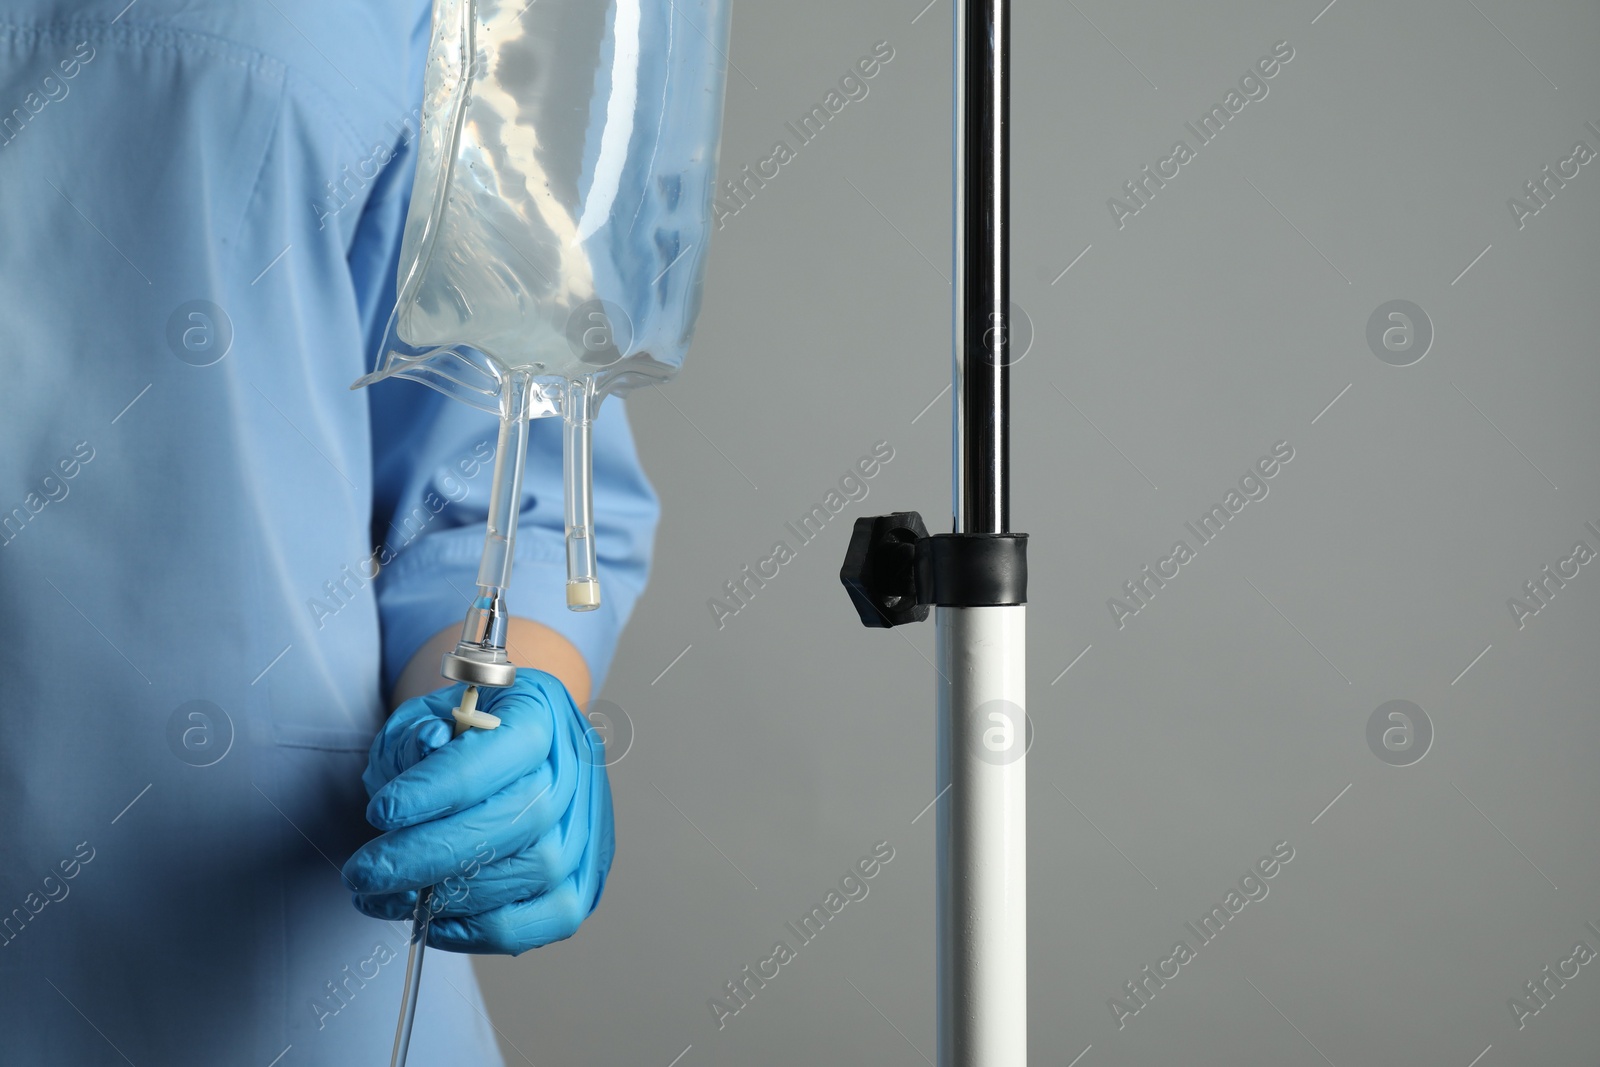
<point>556,242</point>
<point>562,209</point>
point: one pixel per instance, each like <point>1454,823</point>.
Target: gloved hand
<point>512,826</point>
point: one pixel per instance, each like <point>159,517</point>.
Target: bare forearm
<point>528,643</point>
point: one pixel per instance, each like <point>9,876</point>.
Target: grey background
<point>1228,714</point>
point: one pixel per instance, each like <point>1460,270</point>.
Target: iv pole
<point>976,579</point>
<point>982,827</point>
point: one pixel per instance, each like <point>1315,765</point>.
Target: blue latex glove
<point>512,826</point>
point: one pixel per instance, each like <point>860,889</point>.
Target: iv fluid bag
<point>561,215</point>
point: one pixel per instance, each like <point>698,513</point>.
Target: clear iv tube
<point>505,499</point>
<point>583,577</point>
<point>480,656</point>
<point>467,717</point>
<point>420,921</point>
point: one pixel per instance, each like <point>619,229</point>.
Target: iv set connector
<point>480,656</point>
<point>477,666</point>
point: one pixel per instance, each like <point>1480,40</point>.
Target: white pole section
<point>982,895</point>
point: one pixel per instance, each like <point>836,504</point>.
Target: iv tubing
<point>467,717</point>
<point>494,572</point>
<point>480,655</point>
<point>408,998</point>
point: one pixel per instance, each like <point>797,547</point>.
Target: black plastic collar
<point>973,570</point>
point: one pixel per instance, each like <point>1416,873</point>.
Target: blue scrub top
<point>200,214</point>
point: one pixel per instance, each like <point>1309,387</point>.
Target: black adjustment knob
<point>880,570</point>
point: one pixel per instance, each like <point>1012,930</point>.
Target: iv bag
<point>561,215</point>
